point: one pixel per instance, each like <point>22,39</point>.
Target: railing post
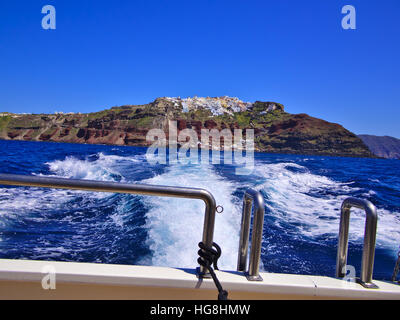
<point>208,228</point>
<point>367,265</point>
<point>244,234</point>
<point>251,196</point>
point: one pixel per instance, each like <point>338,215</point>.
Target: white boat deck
<point>22,279</point>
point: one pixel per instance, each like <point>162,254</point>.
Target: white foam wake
<point>104,168</point>
<point>312,203</point>
<point>30,201</point>
<point>294,196</point>
<point>175,225</point>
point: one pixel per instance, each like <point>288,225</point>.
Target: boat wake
<point>301,207</point>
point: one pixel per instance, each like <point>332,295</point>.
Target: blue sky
<point>108,53</point>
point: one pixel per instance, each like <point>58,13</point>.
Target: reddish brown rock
<point>181,124</point>
<point>210,124</point>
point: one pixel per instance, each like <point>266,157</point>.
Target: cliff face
<point>275,130</point>
<point>385,147</point>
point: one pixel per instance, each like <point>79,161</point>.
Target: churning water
<point>303,195</point>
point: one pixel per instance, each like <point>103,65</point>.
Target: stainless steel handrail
<point>367,265</point>
<point>116,187</point>
<point>251,196</point>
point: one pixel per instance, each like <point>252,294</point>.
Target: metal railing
<point>251,196</point>
<point>115,187</point>
<point>367,264</point>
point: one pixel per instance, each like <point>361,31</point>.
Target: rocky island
<point>384,147</point>
<point>275,130</point>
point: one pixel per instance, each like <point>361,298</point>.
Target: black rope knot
<point>209,258</point>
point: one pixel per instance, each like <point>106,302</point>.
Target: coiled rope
<point>208,258</point>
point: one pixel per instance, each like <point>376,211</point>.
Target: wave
<point>36,204</point>
<point>73,225</point>
<point>175,225</point>
<point>299,203</point>
<point>101,167</point>
<point>311,203</point>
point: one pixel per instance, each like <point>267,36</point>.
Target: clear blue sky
<point>107,53</point>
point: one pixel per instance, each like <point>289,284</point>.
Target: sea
<point>302,194</point>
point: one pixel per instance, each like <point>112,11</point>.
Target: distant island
<point>275,130</point>
<point>385,147</point>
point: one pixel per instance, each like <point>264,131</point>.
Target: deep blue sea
<point>303,195</point>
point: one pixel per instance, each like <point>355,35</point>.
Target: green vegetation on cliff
<point>275,130</point>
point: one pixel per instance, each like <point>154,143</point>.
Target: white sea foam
<point>16,201</point>
<point>105,168</point>
<point>312,203</point>
<point>175,225</point>
<point>308,202</point>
